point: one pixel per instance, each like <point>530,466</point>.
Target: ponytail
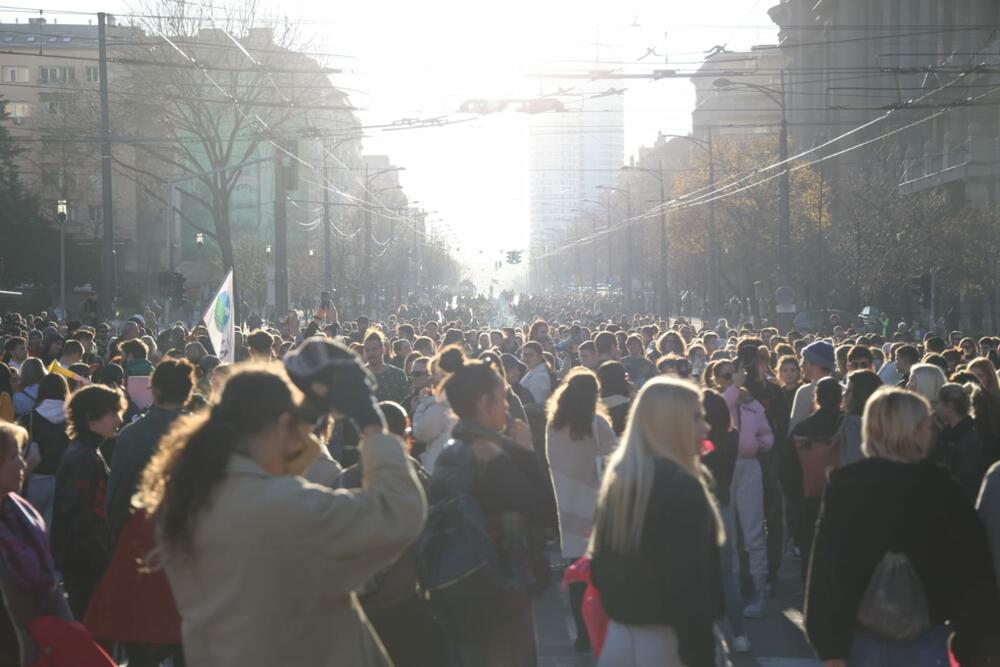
<point>192,457</point>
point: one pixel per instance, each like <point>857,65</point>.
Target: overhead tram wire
<point>680,204</point>
<point>685,201</point>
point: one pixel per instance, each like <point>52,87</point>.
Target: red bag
<point>132,604</point>
<point>65,644</point>
<point>593,611</point>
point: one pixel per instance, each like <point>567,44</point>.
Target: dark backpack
<point>458,570</point>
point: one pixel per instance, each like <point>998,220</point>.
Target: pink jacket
<point>750,420</point>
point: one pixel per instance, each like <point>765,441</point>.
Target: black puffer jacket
<point>511,487</point>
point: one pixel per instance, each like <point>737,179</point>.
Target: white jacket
<point>538,382</point>
<point>431,424</point>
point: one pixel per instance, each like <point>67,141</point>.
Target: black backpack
<point>458,570</point>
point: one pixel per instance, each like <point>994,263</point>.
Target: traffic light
<point>517,257</point>
<point>510,257</point>
<point>172,284</point>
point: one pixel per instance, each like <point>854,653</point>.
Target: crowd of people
<point>399,491</point>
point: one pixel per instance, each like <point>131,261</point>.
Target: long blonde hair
<point>890,422</point>
<point>660,423</point>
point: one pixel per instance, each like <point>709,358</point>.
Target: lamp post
<point>594,242</point>
<point>713,270</point>
<point>62,209</point>
<point>628,234</point>
<point>784,228</point>
<point>367,265</point>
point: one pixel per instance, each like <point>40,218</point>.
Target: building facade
<point>49,84</point>
<point>574,155</point>
<point>931,63</point>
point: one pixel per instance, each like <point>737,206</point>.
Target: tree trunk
<point>224,237</point>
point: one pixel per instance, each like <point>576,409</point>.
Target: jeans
<point>928,650</point>
<point>730,573</point>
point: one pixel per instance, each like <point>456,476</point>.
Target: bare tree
<point>227,91</point>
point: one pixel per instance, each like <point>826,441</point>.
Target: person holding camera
<point>262,563</point>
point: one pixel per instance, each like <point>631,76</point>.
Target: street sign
<point>784,308</point>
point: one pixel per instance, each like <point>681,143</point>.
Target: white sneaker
<point>741,644</point>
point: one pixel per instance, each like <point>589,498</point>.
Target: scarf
<point>24,547</point>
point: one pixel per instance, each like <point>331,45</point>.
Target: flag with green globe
<point>219,321</point>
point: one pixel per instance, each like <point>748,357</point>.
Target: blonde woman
<point>897,501</point>
<point>926,380</point>
<point>655,544</point>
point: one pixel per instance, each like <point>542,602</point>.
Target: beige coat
<point>275,560</point>
<point>573,465</point>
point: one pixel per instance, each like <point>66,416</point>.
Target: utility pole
<point>593,219</point>
<point>630,259</point>
<point>664,272</point>
<point>610,245</point>
<point>327,244</point>
<point>367,265</point>
<point>785,231</point>
<point>280,238</point>
<point>715,266</point>
<point>61,214</point>
<point>108,244</point>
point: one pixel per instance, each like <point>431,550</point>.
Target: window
<point>12,74</point>
<point>17,109</point>
<point>56,74</point>
<point>53,108</point>
<point>91,73</point>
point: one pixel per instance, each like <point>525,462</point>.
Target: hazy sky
<point>422,59</point>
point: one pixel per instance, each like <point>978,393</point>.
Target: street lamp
<point>594,242</point>
<point>713,269</point>
<point>199,239</point>
<point>267,248</point>
<point>61,210</point>
<point>784,230</point>
<point>628,230</point>
<point>366,266</point>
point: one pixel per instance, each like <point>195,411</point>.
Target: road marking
<point>788,662</point>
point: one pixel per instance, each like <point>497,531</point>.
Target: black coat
<point>876,506</point>
<point>81,536</point>
<point>52,441</point>
<point>959,449</point>
<point>721,462</point>
<point>675,578</point>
